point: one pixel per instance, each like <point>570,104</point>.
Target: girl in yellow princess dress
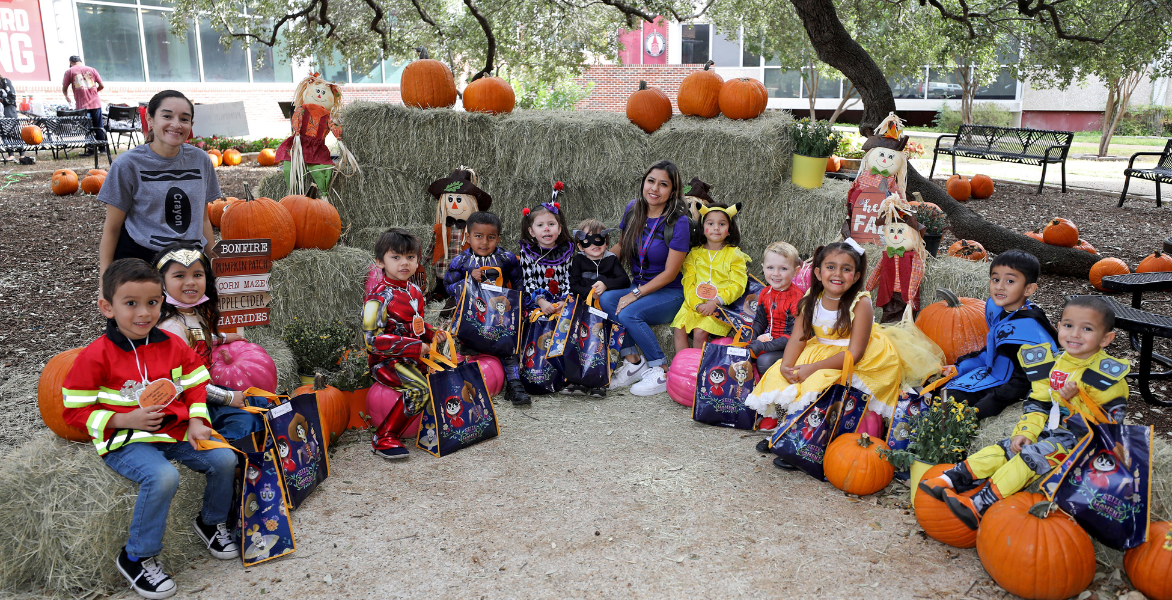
<point>715,273</point>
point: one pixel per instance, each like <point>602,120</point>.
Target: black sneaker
<point>218,539</point>
<point>146,576</point>
<point>597,392</point>
<point>573,389</point>
<point>28,160</point>
<point>780,463</point>
<point>763,446</point>
<point>515,393</point>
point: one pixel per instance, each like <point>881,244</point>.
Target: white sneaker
<point>628,373</point>
<point>654,382</point>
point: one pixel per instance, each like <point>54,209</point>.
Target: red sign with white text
<point>22,41</point>
<point>655,42</point>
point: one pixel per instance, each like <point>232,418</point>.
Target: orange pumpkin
<point>648,108</point>
<point>1085,246</point>
<point>217,158</point>
<point>853,464</point>
<point>93,184</point>
<point>317,222</point>
<point>427,83</point>
<point>743,98</point>
<point>64,182</point>
<point>1035,234</point>
<point>1156,262</point>
<point>959,187</point>
<point>357,401</point>
<point>967,249</point>
<point>491,95</point>
<point>232,157</point>
<point>1060,232</point>
<point>267,157</point>
<point>981,186</point>
<point>260,218</point>
<point>332,407</point>
<point>1149,565</point>
<point>216,209</point>
<point>833,164</point>
<point>31,134</point>
<point>49,397</point>
<point>1034,552</point>
<point>699,93</point>
<point>956,324</point>
<point>937,520</point>
<point>1106,267</point>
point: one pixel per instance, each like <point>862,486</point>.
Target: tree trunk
<point>968,90</point>
<point>838,49</point>
<point>1119,91</point>
<point>812,88</point>
<point>847,95</point>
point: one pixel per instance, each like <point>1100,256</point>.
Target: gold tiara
<point>183,256</point>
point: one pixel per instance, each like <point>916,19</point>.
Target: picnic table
<point>1143,325</point>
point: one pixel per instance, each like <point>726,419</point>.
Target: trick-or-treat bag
<point>724,380</point>
<point>1104,483</point>
<point>459,411</point>
<point>802,436</point>
<point>295,432</point>
<point>587,355</point>
<point>618,334</point>
<point>741,312</point>
<point>540,374</point>
<point>565,320</point>
<point>489,316</point>
<point>910,405</point>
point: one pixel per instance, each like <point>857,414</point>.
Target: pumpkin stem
<point>1042,510</point>
<point>248,194</point>
<point>709,64</point>
<point>313,191</point>
<point>319,382</point>
<point>422,52</point>
<point>948,297</point>
<point>642,85</point>
<point>865,440</point>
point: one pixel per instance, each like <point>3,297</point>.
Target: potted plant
<point>814,143</point>
<point>317,345</point>
<point>850,150</point>
<point>934,220</point>
<point>941,434</point>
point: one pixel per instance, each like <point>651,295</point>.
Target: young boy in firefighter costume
<point>901,269</point>
<point>457,197</point>
<point>1083,379</point>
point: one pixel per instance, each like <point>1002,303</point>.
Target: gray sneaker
<point>628,373</point>
<point>654,382</point>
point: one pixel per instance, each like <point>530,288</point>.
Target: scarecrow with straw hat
<point>457,198</point>
<point>316,104</point>
<point>696,194</point>
<point>882,173</point>
<point>901,270</point>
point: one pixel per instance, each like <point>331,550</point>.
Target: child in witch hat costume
<point>882,173</point>
<point>457,198</point>
<point>901,270</point>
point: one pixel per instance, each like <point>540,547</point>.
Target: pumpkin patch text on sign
<point>242,280</point>
<point>244,265</point>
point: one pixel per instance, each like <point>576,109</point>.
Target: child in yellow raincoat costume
<point>715,274</point>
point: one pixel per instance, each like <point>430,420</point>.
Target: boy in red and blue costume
<point>397,337</point>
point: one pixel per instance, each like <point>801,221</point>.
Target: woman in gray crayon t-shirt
<point>157,193</point>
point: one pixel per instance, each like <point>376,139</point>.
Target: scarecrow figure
<point>901,269</point>
<point>457,198</point>
<point>882,173</point>
<point>316,104</point>
<point>696,194</point>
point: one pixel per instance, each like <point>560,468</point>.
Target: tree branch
<point>490,52</point>
<point>376,25</point>
<point>272,41</point>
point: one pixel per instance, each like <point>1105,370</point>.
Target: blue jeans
<point>657,308</point>
<point>147,465</point>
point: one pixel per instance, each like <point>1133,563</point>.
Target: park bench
<point>1143,326</point>
<point>1161,173</point>
<point>1007,144</point>
<point>60,134</point>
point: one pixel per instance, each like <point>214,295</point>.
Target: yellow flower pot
<point>306,379</point>
<point>918,469</point>
<point>809,171</point>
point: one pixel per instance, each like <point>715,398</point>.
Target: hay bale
<point>319,284</point>
<point>269,339</point>
<point>964,277</point>
<point>64,516</point>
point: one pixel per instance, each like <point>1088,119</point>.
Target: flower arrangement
<point>934,220</point>
<point>219,143</point>
<point>816,139</point>
<point>941,434</point>
<point>354,371</point>
<point>317,345</point>
<point>914,149</point>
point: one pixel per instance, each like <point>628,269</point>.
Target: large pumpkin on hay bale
<point>1060,232</point>
<point>93,184</point>
<point>1107,267</point>
<point>64,182</point>
<point>1156,262</point>
<point>968,250</point>
<point>937,520</point>
<point>491,95</point>
<point>1149,565</point>
<point>427,83</point>
<point>1034,550</point>
<point>956,324</point>
<point>32,135</point>
<point>959,187</point>
<point>981,186</point>
<point>267,157</point>
<point>699,94</point>
<point>332,407</point>
<point>260,218</point>
<point>648,108</point>
<point>49,397</point>
<point>853,464</point>
<point>315,220</point>
<point>743,98</point>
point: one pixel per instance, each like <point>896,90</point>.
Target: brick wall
<point>260,100</point>
<point>614,83</point>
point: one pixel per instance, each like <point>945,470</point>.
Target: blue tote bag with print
<point>540,374</point>
<point>564,322</point>
<point>802,436</point>
<point>618,334</point>
<point>295,433</point>
<point>741,312</point>
<point>459,411</point>
<point>265,531</point>
<point>488,319</point>
<point>587,354</point>
<point>724,380</point>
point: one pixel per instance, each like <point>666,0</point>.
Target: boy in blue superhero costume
<point>992,378</point>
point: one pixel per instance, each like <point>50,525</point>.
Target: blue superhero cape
<point>990,368</point>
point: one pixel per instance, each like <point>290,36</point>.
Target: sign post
<point>242,281</point>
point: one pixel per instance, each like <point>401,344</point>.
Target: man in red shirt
<point>86,84</point>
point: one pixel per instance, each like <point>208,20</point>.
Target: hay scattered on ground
<point>64,516</point>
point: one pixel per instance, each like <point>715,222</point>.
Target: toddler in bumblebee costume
<point>1083,379</point>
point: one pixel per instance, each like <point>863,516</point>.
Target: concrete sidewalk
<point>1086,175</point>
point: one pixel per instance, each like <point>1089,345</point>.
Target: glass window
<point>1002,88</point>
<point>829,88</point>
<point>368,74</point>
<point>394,71</point>
<point>334,70</point>
<point>783,84</point>
<point>694,44</point>
<point>110,41</point>
<point>907,86</point>
<point>168,57</point>
<point>273,70</point>
<point>726,51</point>
<point>943,83</point>
<point>166,3</point>
<point>220,63</point>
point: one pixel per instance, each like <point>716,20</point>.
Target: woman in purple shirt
<point>655,260</point>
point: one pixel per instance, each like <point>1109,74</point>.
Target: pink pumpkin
<point>802,278</point>
<point>379,402</point>
<point>681,376</point>
<point>494,373</point>
<point>373,277</point>
<point>241,365</point>
<point>872,425</point>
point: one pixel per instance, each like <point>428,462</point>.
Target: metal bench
<point>1007,144</point>
<point>1161,173</point>
<point>61,134</point>
<point>1146,325</point>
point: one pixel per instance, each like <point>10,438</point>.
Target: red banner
<point>22,41</point>
<point>629,52</point>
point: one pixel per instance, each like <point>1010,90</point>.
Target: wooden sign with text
<point>242,269</point>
